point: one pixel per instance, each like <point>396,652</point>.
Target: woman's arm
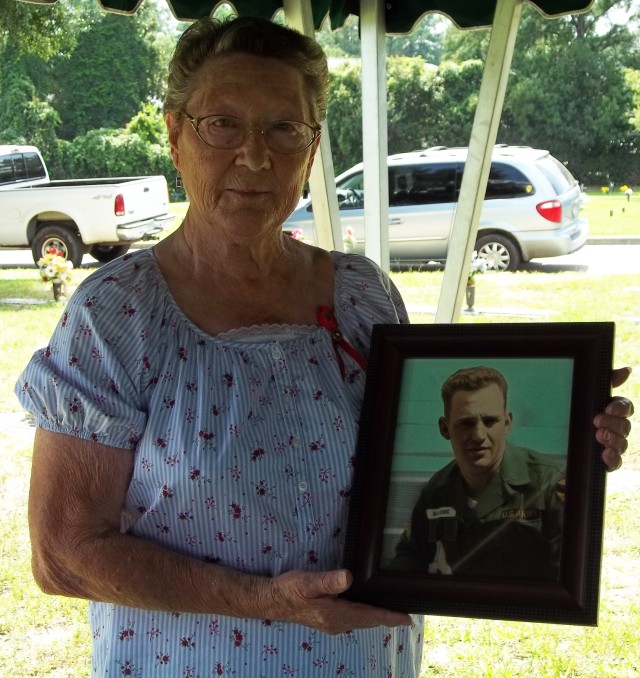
<point>76,497</point>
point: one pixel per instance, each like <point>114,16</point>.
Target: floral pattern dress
<point>244,449</point>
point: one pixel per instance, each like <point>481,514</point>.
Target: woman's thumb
<point>335,582</point>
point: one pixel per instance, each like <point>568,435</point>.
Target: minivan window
<point>408,185</point>
<point>433,183</point>
<point>351,192</point>
<point>557,174</point>
<point>422,184</point>
<point>506,181</point>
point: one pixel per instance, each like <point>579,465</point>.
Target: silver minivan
<point>531,207</point>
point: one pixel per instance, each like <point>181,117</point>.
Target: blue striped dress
<point>244,447</point>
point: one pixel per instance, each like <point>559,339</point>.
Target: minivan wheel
<point>499,251</point>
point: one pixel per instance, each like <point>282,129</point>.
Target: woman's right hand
<point>75,507</point>
<point>310,598</point>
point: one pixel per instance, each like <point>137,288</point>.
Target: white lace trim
<point>273,332</point>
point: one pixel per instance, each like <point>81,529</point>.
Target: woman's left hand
<point>613,425</point>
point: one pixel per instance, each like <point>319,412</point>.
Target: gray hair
<point>208,38</point>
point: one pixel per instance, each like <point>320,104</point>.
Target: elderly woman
<point>196,417</point>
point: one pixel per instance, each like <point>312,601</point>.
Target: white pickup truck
<point>99,216</point>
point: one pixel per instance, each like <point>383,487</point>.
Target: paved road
<point>593,258</point>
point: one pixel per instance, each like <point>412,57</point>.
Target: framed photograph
<point>479,485</point>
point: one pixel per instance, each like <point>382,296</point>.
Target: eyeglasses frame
<point>195,123</point>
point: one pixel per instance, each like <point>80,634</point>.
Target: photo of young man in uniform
<point>496,510</point>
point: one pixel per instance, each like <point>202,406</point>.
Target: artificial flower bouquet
<point>55,267</point>
<point>478,265</point>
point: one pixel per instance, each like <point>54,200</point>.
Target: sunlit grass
<point>613,215</point>
<point>39,635</point>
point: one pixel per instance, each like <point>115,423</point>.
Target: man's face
<point>477,427</point>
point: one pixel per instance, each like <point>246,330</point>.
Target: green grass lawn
<point>612,215</point>
<point>49,636</point>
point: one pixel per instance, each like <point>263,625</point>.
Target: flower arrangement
<point>478,265</point>
<point>55,267</point>
<point>349,239</point>
<point>298,234</point>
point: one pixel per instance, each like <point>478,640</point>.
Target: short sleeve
<point>89,380</point>
<point>365,296</point>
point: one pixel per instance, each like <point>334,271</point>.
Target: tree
<point>24,117</point>
<point>35,30</point>
<point>459,45</point>
<point>344,118</point>
<point>149,125</point>
<point>114,68</point>
<point>457,87</point>
<point>141,147</point>
<point>425,40</point>
<point>567,92</point>
<point>411,97</point>
<point>577,106</point>
<point>632,78</point>
<point>611,23</point>
<point>29,36</point>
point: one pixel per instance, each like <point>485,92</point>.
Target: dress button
<point>276,353</point>
<point>302,486</point>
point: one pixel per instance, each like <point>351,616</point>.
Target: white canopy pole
<point>374,131</point>
<point>322,180</point>
<point>476,172</point>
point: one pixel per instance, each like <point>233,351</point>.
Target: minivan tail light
<point>118,207</point>
<point>551,210</point>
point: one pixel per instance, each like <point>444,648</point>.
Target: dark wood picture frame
<point>572,598</point>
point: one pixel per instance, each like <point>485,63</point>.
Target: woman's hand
<point>310,598</point>
<point>613,425</point>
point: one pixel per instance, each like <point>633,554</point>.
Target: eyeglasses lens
<point>227,133</point>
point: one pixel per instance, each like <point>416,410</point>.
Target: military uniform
<point>514,528</point>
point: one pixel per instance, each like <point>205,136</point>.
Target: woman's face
<point>248,190</point>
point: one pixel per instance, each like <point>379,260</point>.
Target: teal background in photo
<point>539,398</point>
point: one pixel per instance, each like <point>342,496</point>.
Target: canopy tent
<point>378,17</point>
<point>400,16</point>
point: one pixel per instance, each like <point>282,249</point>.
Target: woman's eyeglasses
<point>226,133</point>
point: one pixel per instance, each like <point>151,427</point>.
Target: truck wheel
<point>61,239</point>
<point>499,251</point>
<point>106,253</point>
